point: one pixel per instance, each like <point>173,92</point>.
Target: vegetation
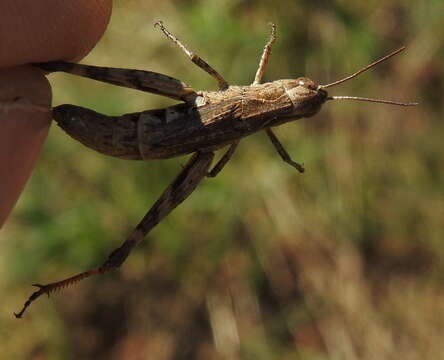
<point>343,262</point>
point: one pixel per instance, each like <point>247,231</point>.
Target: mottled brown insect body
<point>205,122</point>
<point>215,119</point>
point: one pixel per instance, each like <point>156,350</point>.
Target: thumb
<point>25,116</point>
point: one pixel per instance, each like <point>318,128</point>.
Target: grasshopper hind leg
<point>179,190</point>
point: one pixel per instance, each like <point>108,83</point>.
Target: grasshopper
<point>204,122</point>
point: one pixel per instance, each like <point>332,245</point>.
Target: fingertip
<point>48,30</point>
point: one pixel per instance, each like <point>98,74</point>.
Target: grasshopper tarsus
<point>58,285</point>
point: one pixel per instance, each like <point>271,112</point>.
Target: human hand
<point>36,31</point>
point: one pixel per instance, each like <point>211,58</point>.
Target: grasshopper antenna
<point>357,73</point>
<point>364,69</point>
<point>382,101</point>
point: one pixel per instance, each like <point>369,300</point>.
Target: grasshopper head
<point>306,96</point>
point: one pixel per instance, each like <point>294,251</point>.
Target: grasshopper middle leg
<point>223,85</point>
<point>282,152</point>
<point>223,161</point>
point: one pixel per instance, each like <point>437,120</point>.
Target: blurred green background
<point>343,262</point>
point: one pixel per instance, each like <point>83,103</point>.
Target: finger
<point>25,100</point>
<point>45,30</point>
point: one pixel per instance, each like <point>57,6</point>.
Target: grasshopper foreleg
<point>265,56</point>
<point>223,85</point>
<point>282,152</point>
<point>182,187</point>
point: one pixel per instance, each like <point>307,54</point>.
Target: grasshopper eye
<point>306,83</point>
